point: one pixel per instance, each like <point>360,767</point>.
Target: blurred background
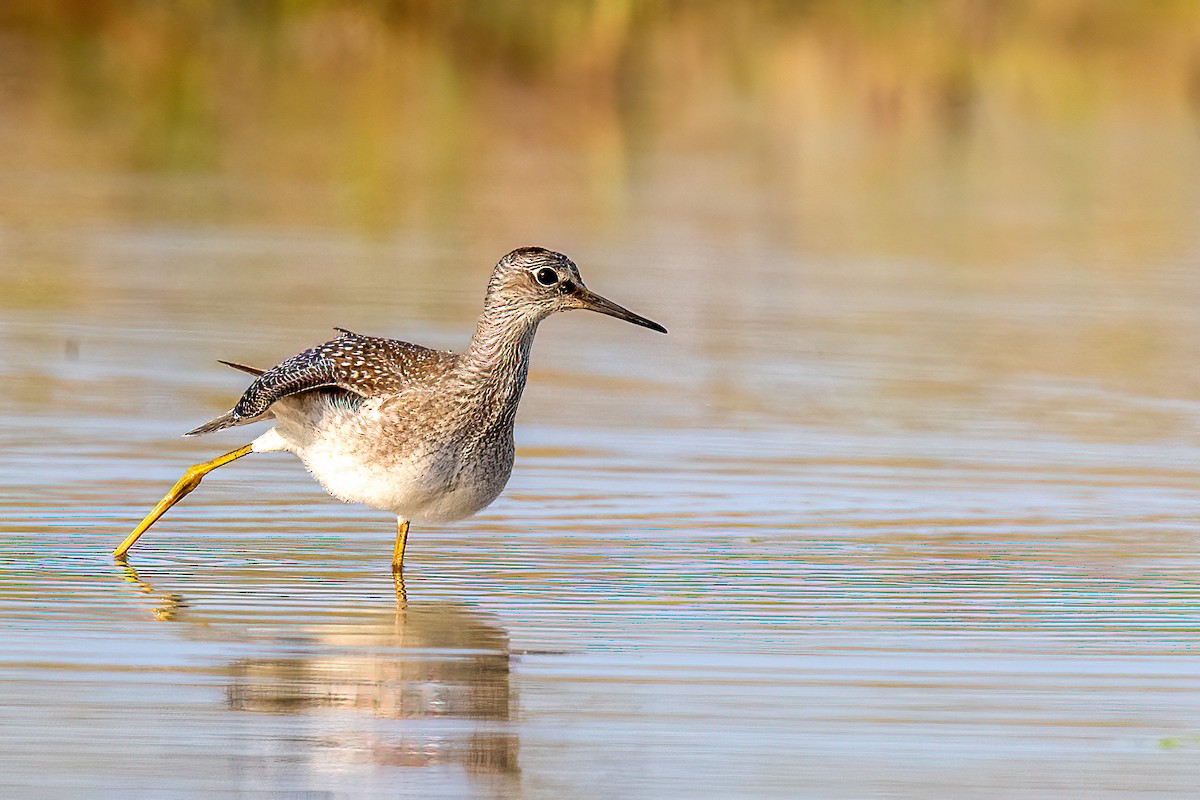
<point>800,156</point>
<point>903,506</point>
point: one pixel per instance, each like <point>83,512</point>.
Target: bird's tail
<point>226,420</point>
<point>229,418</point>
<point>243,367</point>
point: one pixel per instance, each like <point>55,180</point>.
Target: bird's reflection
<point>169,603</point>
<point>437,672</point>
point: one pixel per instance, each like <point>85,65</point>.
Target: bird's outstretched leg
<point>398,552</point>
<point>190,480</point>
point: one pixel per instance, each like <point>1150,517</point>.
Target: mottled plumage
<point>424,434</point>
<point>347,369</point>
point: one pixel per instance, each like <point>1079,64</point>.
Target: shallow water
<point>671,600</point>
<point>901,508</point>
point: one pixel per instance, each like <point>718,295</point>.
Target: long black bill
<point>594,302</point>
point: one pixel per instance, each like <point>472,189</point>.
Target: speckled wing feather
<point>349,368</point>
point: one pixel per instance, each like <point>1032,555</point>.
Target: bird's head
<point>536,282</point>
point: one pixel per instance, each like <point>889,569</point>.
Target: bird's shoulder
<point>356,366</point>
<point>374,365</point>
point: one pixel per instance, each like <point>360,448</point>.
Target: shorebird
<point>424,434</point>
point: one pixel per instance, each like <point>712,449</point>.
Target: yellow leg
<point>190,480</point>
<point>398,552</point>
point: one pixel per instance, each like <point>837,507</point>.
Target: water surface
<point>904,506</point>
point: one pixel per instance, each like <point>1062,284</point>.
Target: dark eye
<point>546,276</point>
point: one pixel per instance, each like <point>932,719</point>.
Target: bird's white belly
<point>417,489</point>
<point>420,487</point>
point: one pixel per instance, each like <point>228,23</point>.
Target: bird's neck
<point>494,366</point>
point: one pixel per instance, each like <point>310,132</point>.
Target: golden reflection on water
<point>167,604</point>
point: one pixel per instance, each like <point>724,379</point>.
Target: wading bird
<point>424,434</point>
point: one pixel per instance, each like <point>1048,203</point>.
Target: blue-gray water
<point>904,506</point>
<point>689,590</point>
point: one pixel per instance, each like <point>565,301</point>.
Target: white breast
<point>421,486</point>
